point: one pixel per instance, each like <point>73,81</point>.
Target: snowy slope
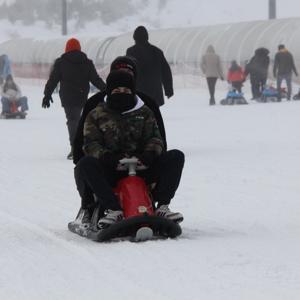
<point>239,195</point>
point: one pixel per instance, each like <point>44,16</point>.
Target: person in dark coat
<point>153,68</point>
<point>74,71</point>
<point>283,68</point>
<point>120,63</point>
<point>257,68</point>
<point>122,127</point>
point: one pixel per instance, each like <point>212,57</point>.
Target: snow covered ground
<point>239,195</point>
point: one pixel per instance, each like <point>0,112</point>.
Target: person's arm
<point>156,111</point>
<point>95,79</point>
<point>152,139</point>
<point>128,52</point>
<point>275,67</point>
<point>220,69</point>
<point>93,140</point>
<point>247,69</point>
<point>78,140</point>
<point>228,76</point>
<point>4,94</point>
<point>167,79</point>
<point>19,93</point>
<point>243,77</point>
<point>293,66</point>
<point>54,78</point>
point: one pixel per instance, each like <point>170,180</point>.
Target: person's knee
<point>85,163</point>
<point>176,156</point>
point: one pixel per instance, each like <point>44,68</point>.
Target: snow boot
<point>164,211</point>
<point>83,218</point>
<point>110,217</point>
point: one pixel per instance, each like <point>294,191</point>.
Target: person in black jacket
<point>283,68</point>
<point>120,63</point>
<point>74,71</point>
<point>258,70</point>
<point>153,68</point>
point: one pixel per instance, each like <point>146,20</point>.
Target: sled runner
<point>139,223</point>
<point>233,97</point>
<point>270,94</point>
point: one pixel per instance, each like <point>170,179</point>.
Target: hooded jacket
<point>235,73</point>
<point>99,98</point>
<point>259,64</point>
<point>211,64</point>
<point>153,70</point>
<point>132,132</point>
<point>74,71</point>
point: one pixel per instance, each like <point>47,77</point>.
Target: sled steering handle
<point>131,164</point>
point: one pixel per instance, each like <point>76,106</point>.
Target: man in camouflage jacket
<point>121,127</point>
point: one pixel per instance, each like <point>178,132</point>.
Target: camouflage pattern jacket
<point>129,133</point>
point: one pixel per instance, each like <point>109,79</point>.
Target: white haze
<point>153,14</point>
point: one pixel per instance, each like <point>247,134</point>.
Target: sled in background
<point>234,97</point>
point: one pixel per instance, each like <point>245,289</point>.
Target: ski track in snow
<point>239,195</point>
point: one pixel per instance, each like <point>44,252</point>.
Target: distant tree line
<point>81,11</point>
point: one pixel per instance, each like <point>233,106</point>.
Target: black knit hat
<point>124,62</point>
<point>141,34</point>
<point>119,78</point>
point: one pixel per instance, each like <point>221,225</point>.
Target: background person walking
<point>257,68</point>
<point>74,71</point>
<point>212,69</point>
<point>283,68</point>
<point>153,70</point>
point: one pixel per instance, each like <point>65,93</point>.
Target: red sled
<point>139,223</point>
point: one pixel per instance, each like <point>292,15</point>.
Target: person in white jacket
<point>12,97</point>
<point>212,69</point>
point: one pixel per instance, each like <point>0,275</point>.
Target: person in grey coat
<point>212,69</point>
<point>284,66</point>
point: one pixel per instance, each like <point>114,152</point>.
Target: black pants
<point>73,117</point>
<point>93,178</point>
<point>211,82</point>
<point>257,86</point>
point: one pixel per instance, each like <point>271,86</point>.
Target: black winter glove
<point>111,160</point>
<point>46,102</point>
<point>147,158</point>
<point>169,95</point>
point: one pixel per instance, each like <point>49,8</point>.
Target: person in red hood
<point>74,71</point>
<point>236,76</point>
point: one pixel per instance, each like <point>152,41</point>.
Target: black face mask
<point>121,102</point>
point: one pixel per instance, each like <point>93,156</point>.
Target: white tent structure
<point>183,47</point>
